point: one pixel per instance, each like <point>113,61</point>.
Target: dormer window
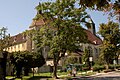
<point>15,39</point>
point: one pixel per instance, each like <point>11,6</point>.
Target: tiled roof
<point>93,38</point>
<point>19,38</point>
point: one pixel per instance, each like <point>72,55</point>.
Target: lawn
<point>48,76</point>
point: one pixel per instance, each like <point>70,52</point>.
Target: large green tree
<point>62,30</point>
<point>111,42</point>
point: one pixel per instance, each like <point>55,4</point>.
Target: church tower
<point>91,27</point>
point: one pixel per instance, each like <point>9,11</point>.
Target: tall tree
<point>111,41</point>
<point>4,42</point>
<point>4,38</point>
<point>62,30</point>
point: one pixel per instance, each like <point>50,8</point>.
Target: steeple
<point>92,26</point>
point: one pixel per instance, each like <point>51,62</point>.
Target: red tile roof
<point>93,38</point>
<point>19,38</point>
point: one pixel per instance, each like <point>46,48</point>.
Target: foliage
<point>86,55</point>
<point>4,38</point>
<point>98,67</point>
<point>99,61</point>
<point>27,60</point>
<point>111,41</point>
<point>100,4</point>
<point>62,30</point>
<point>102,67</point>
<point>94,4</point>
<point>71,60</point>
<point>4,42</point>
<point>111,7</point>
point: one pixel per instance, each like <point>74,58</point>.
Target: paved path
<point>109,74</point>
<point>101,76</point>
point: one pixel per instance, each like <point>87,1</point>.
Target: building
<point>94,40</point>
<point>23,42</point>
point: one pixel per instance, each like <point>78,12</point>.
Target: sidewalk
<point>108,74</point>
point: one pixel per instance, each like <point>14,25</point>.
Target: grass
<point>38,76</point>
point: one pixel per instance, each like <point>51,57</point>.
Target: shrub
<point>118,66</point>
<point>112,66</point>
<point>98,67</point>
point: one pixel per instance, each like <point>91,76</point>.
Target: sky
<point>17,15</point>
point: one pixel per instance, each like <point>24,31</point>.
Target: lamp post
<point>90,59</point>
<point>114,62</point>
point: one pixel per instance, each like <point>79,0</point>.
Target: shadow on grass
<point>39,77</point>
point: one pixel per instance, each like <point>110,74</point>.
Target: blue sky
<point>17,15</point>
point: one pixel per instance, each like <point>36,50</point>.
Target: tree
<point>4,42</point>
<point>111,42</point>
<point>99,4</point>
<point>4,39</point>
<point>87,54</point>
<point>94,4</point>
<point>27,60</point>
<point>62,30</point>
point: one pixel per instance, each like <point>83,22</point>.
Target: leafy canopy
<point>62,30</point>
<point>111,41</point>
<point>27,59</point>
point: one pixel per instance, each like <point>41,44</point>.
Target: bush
<point>98,67</point>
<point>118,66</point>
<point>112,66</point>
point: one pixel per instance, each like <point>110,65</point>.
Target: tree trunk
<point>55,61</point>
<point>55,70</point>
<point>18,70</point>
<point>26,71</point>
<point>33,71</point>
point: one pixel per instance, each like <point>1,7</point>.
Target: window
<point>23,45</point>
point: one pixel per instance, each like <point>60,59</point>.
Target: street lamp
<point>90,59</point>
<point>114,62</point>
